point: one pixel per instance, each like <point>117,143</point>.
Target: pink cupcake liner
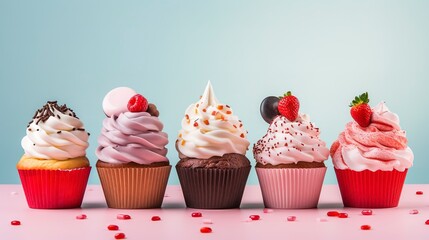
<point>367,189</point>
<point>54,189</point>
<point>134,188</point>
<point>291,187</point>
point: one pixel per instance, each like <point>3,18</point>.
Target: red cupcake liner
<point>292,188</point>
<point>54,189</point>
<point>213,188</point>
<point>134,188</point>
<point>367,189</point>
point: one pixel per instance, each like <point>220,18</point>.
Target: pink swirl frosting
<point>380,146</point>
<point>132,137</point>
<point>291,142</point>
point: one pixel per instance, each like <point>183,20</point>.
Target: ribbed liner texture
<point>54,189</point>
<point>291,187</point>
<point>134,187</point>
<point>213,188</point>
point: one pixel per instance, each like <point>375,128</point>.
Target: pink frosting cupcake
<point>371,158</point>
<point>132,165</point>
<point>290,157</point>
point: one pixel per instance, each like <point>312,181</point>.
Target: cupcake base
<point>367,189</point>
<point>291,187</point>
<point>212,188</point>
<point>134,187</point>
<point>54,189</point>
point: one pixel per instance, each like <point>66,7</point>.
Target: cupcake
<point>132,163</point>
<point>212,144</point>
<point>290,156</point>
<point>54,169</point>
<point>371,157</point>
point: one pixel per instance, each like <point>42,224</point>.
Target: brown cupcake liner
<point>213,188</point>
<point>134,187</point>
<point>54,189</point>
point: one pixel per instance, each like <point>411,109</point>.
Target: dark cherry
<point>269,108</point>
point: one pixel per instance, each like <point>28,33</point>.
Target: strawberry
<point>360,110</point>
<point>289,106</point>
<point>137,103</point>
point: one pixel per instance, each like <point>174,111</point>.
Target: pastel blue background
<point>326,52</point>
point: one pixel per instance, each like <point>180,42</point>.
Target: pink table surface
<point>177,223</point>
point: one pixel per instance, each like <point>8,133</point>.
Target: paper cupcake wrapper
<point>213,188</point>
<point>54,189</point>
<point>367,189</point>
<point>291,187</point>
<point>134,187</point>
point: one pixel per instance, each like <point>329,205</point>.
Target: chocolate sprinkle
<point>48,109</point>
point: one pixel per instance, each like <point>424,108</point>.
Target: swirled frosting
<point>210,128</point>
<point>380,146</point>
<point>55,133</point>
<point>130,136</point>
<point>290,142</point>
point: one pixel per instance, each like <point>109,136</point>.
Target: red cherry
<point>196,214</point>
<point>419,193</point>
<point>15,223</point>
<point>205,230</point>
<point>366,212</point>
<point>123,216</point>
<point>332,214</point>
<point>137,103</point>
<point>343,215</point>
<point>120,236</point>
<point>156,218</point>
<point>365,227</point>
<point>254,217</point>
<point>113,227</point>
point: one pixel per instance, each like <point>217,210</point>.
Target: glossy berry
<point>196,214</point>
<point>123,216</point>
<point>419,193</point>
<point>120,236</point>
<point>156,218</point>
<point>343,215</point>
<point>332,214</point>
<point>254,217</point>
<point>360,110</point>
<point>365,227</point>
<point>269,108</point>
<point>289,106</point>
<point>113,227</point>
<point>366,212</point>
<point>15,223</point>
<point>137,103</point>
<point>205,230</point>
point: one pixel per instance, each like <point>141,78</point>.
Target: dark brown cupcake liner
<point>132,188</point>
<point>213,188</point>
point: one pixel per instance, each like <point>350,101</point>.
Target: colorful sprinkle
<point>367,212</point>
<point>291,218</point>
<point>81,216</point>
<point>419,193</point>
<point>205,230</point>
<point>156,218</point>
<point>254,217</point>
<point>427,222</point>
<point>196,214</point>
<point>113,227</point>
<point>365,227</point>
<point>332,214</point>
<point>343,215</point>
<point>15,223</point>
<point>120,236</point>
<point>414,211</point>
<point>123,216</point>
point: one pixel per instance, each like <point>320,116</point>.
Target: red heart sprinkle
<point>196,214</point>
<point>15,223</point>
<point>332,214</point>
<point>254,217</point>
<point>365,227</point>
<point>120,236</point>
<point>112,227</point>
<point>123,216</point>
<point>156,218</point>
<point>366,212</point>
<point>205,230</point>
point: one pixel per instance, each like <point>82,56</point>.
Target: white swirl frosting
<point>55,133</point>
<point>209,129</point>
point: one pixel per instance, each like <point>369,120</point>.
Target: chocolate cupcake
<point>213,168</point>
